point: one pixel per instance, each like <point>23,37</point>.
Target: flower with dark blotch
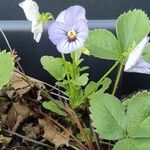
<point>70,30</point>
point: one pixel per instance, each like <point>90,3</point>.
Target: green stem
<point>68,77</point>
<point>117,79</point>
<point>101,79</point>
<point>74,64</point>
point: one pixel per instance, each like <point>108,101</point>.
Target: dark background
<point>31,52</point>
<point>96,9</point>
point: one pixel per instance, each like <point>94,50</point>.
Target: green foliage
<point>103,44</point>
<point>129,121</point>
<point>55,107</point>
<point>6,68</point>
<point>104,85</point>
<point>138,116</point>
<point>146,54</point>
<point>126,144</point>
<point>81,80</point>
<point>108,116</point>
<point>54,66</point>
<point>132,27</point>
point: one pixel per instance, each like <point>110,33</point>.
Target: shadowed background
<point>20,37</point>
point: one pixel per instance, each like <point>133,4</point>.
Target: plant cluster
<point>125,122</point>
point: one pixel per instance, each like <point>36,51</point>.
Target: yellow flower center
<point>71,35</point>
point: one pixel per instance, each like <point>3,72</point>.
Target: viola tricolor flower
<point>135,63</point>
<point>31,10</point>
<point>70,30</point>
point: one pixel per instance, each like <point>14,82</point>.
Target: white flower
<point>135,63</point>
<point>31,11</point>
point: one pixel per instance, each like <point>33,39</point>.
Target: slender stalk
<point>117,79</point>
<point>101,79</point>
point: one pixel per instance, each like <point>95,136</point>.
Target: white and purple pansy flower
<point>70,30</point>
<point>135,62</point>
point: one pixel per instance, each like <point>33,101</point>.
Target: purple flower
<point>70,30</point>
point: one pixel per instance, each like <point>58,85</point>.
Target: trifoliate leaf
<point>138,116</point>
<point>126,144</point>
<point>108,116</point>
<point>54,66</point>
<point>6,68</point>
<point>54,107</point>
<point>132,27</point>
<point>103,44</point>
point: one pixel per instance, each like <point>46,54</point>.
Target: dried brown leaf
<point>31,131</point>
<point>4,141</point>
<point>22,84</point>
<point>53,135</point>
<point>17,114</point>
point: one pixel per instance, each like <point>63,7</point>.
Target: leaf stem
<point>117,79</point>
<point>101,79</point>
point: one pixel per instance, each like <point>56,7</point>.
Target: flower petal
<point>74,14</point>
<point>30,9</point>
<point>37,29</point>
<point>61,17</point>
<point>141,67</point>
<point>136,53</point>
<point>57,32</point>
<point>67,47</point>
<point>81,28</point>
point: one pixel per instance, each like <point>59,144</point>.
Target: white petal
<point>140,67</point>
<point>37,29</point>
<point>30,9</point>
<point>136,53</point>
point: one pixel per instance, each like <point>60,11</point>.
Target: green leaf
<point>138,115</point>
<point>6,68</point>
<point>132,27</point>
<point>81,80</point>
<point>143,143</point>
<point>103,44</point>
<point>146,54</point>
<point>88,133</point>
<point>126,144</point>
<point>108,116</point>
<point>54,66</point>
<point>54,107</point>
<point>104,86</point>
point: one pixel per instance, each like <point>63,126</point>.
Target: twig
<point>74,116</point>
<point>96,139</point>
<point>10,48</point>
<point>26,138</point>
<point>60,96</point>
<point>106,143</point>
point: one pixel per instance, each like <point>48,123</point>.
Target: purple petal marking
<point>57,32</point>
<point>81,29</point>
